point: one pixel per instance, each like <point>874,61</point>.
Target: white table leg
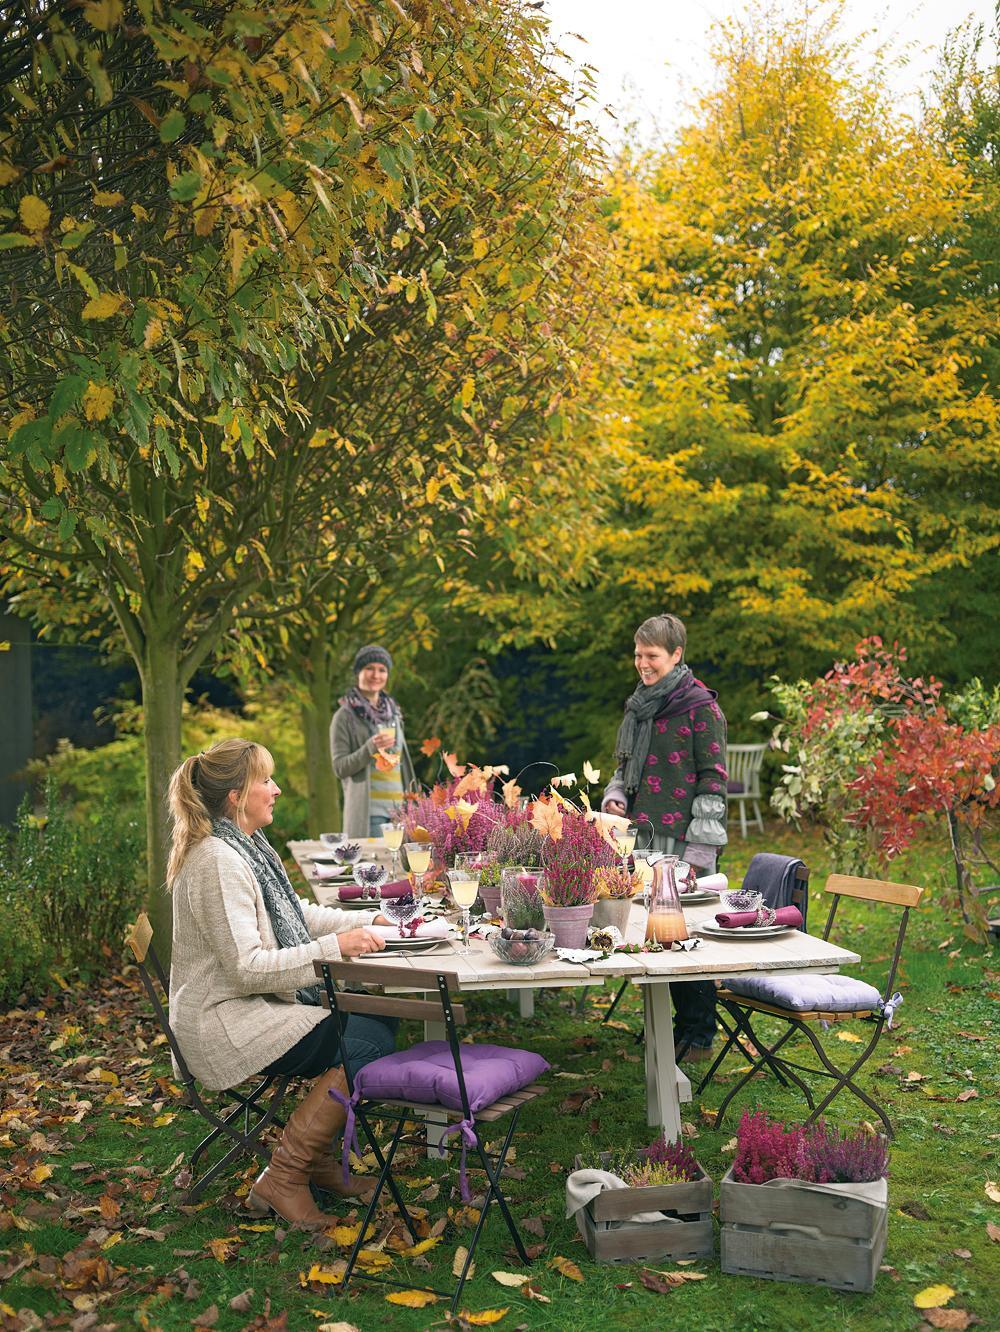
<point>662,1103</point>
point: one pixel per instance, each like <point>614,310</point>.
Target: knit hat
<point>369,654</point>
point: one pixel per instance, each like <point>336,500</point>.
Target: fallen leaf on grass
<point>223,1249</point>
<point>326,1276</point>
<point>993,1230</point>
<point>915,1077</point>
<point>962,1253</point>
<point>956,1318</point>
<point>241,1303</point>
<point>993,1191</point>
<point>512,1279</point>
<point>458,1262</point>
<point>567,1268</point>
<point>412,1299</point>
<point>485,1317</point>
<point>422,1247</point>
<point>653,1281</point>
<point>932,1297</point>
<point>208,1318</point>
<point>533,1226</point>
<point>849,1036</point>
<point>338,1327</point>
<point>969,1094</point>
<point>917,1210</point>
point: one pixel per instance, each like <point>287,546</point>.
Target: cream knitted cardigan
<point>232,989</point>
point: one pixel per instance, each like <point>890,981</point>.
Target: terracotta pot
<point>491,899</point>
<point>569,924</point>
<point>612,911</point>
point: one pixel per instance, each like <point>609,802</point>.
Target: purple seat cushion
<point>802,992</point>
<point>734,787</point>
<point>425,1073</point>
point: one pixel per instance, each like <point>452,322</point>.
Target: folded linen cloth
<point>711,883</point>
<point>350,892</point>
<point>737,920</point>
<point>774,877</point>
<point>583,1186</point>
<point>430,929</point>
<point>329,871</point>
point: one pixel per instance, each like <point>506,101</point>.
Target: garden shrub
<point>69,885</point>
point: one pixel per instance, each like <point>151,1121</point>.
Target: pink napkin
<point>350,892</point>
<point>735,920</point>
<point>327,872</point>
<point>430,929</point>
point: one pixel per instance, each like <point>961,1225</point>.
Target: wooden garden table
<point>666,1085</point>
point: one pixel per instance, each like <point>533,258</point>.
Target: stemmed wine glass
<point>464,885</point>
<point>392,835</point>
<point>418,861</point>
<point>369,875</point>
<point>644,869</point>
<point>624,839</point>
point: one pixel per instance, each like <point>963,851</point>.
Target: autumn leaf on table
<point>385,762</point>
<point>547,819</point>
<point>430,746</point>
<point>511,793</point>
<point>454,767</point>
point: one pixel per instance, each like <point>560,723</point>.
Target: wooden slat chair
<point>256,1112</point>
<point>743,1009</point>
<point>734,1037</point>
<point>400,1110</point>
<point>744,763</point>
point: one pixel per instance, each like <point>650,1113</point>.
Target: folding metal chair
<point>399,1110</point>
<point>256,1112</point>
<point>733,1035</point>
<point>743,1008</point>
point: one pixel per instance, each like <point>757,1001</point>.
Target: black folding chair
<point>743,1009</point>
<point>398,1111</point>
<point>734,1036</point>
<point>256,1111</point>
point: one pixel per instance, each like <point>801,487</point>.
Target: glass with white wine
<point>392,835</point>
<point>625,841</point>
<point>463,885</point>
<point>644,870</point>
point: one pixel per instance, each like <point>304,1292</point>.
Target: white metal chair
<point>744,764</point>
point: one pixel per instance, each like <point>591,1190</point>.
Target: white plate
<point>692,899</point>
<point>743,931</point>
<point>410,946</point>
<point>326,858</point>
<point>356,904</point>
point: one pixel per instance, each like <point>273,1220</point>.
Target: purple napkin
<point>736,920</point>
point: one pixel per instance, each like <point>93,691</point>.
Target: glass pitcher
<point>665,922</point>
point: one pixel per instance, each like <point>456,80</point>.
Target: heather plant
<point>769,1149</point>
<point>614,882</point>
<point>658,1164</point>
<point>570,862</point>
<point>451,824</point>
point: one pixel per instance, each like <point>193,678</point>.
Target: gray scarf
<point>284,910</point>
<point>636,731</point>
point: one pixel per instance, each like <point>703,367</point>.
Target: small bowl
<point>519,951</point>
<point>739,899</point>
<point>331,839</point>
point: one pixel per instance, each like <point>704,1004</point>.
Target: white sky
<point>652,55</point>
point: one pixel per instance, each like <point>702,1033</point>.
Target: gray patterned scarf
<point>636,731</point>
<point>284,910</point>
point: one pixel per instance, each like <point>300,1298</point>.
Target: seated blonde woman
<point>243,993</point>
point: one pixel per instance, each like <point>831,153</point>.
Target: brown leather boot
<point>284,1186</point>
<point>328,1170</point>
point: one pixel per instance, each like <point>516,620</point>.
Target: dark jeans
<point>694,1006</point>
<point>366,1038</point>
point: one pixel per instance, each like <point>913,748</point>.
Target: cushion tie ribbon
<point>350,1137</point>
<point>887,1007</point>
<point>467,1128</point>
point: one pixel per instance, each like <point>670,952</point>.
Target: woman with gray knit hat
<point>368,747</point>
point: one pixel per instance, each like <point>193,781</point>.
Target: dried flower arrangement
<point>770,1149</point>
<point>614,882</point>
<point>658,1164</point>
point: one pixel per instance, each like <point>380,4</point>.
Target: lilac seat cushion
<point>734,787</point>
<point>802,992</point>
<point>425,1073</point>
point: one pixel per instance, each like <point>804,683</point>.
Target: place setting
<point>746,917</point>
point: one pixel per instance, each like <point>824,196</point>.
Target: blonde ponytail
<point>199,792</point>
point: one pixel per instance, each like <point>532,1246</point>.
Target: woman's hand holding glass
<point>355,943</point>
<point>386,738</point>
<point>615,807</point>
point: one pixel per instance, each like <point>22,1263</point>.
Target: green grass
<point>944,1152</point>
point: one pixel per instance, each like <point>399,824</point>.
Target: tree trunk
<point>162,698</point>
<point>322,787</point>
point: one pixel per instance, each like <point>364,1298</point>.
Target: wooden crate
<point>801,1236</point>
<point>653,1242</point>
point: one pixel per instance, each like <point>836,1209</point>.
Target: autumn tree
<point>197,207</point>
<point>809,451</point>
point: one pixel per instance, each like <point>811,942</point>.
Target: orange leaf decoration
<point>454,767</point>
<point>511,793</point>
<point>385,762</point>
<point>440,795</point>
<point>547,819</point>
<point>419,833</point>
<point>430,746</point>
<point>474,780</point>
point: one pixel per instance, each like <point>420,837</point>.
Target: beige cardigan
<point>232,989</point>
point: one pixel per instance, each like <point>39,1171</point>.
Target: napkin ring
<point>766,915</point>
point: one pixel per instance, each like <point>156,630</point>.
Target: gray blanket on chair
<point>774,877</point>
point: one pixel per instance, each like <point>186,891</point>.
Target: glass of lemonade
<point>625,841</point>
<point>392,835</point>
<point>464,887</point>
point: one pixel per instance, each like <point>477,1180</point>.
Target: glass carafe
<point>666,919</point>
